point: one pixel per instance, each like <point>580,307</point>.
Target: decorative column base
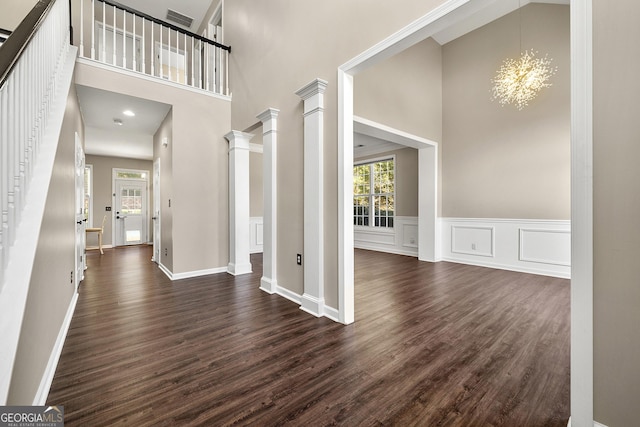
<point>238,269</point>
<point>268,285</point>
<point>312,305</point>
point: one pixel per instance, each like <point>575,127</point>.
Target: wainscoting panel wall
<point>402,239</point>
<point>256,234</point>
<point>530,246</point>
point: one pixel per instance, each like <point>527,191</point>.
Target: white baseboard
<point>328,312</point>
<point>190,274</point>
<point>595,424</point>
<point>239,269</point>
<point>268,285</point>
<point>332,313</point>
<point>47,378</point>
<point>291,296</point>
<point>312,305</point>
<point>529,246</point>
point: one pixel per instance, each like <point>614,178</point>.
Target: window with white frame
<point>374,193</point>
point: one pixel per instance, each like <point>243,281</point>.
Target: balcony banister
<point>165,24</point>
<point>122,37</point>
<point>15,45</point>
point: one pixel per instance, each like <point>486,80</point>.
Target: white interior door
<point>156,211</point>
<point>80,215</point>
<point>131,212</point>
<point>127,48</point>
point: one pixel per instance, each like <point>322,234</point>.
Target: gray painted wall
<point>616,187</point>
<point>198,187</point>
<point>276,51</point>
<point>166,188</point>
<point>499,162</point>
<point>50,290</point>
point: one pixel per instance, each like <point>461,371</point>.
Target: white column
<point>269,282</point>
<point>313,256</point>
<point>239,237</point>
<point>428,236</point>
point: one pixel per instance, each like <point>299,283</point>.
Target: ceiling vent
<point>179,18</point>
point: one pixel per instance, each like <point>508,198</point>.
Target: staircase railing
<point>4,35</point>
<point>126,38</point>
<point>36,69</point>
<point>29,63</point>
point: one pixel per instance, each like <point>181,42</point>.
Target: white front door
<point>156,211</point>
<point>131,212</point>
<point>80,215</point>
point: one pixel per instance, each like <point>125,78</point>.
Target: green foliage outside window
<point>374,186</point>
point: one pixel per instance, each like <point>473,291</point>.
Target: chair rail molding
<point>525,245</point>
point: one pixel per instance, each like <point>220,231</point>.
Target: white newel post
<point>239,228</point>
<point>269,119</point>
<point>313,256</point>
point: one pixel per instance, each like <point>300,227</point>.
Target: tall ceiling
<point>106,139</point>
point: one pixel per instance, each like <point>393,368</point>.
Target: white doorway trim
<point>155,216</point>
<point>114,179</point>
<point>428,237</point>
<point>80,241</point>
<point>581,176</point>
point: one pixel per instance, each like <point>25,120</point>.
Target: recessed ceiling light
<point>128,113</point>
<point>117,122</point>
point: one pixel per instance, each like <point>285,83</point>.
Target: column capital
<point>238,140</point>
<point>268,114</point>
<point>315,87</point>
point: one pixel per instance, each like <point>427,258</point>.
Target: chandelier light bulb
<point>518,81</point>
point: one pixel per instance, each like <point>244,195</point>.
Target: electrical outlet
<point>166,252</point>
<point>72,277</point>
<point>473,246</point>
<point>299,259</point>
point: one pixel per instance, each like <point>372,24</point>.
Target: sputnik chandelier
<point>518,81</point>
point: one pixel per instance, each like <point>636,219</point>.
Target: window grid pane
<point>374,186</point>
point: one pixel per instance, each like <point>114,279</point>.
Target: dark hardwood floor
<point>433,345</point>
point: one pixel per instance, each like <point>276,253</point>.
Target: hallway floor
<point>433,345</point>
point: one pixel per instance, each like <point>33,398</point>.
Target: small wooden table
<point>98,230</point>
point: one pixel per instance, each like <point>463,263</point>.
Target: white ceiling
<point>134,138</point>
<point>195,9</point>
<point>365,145</point>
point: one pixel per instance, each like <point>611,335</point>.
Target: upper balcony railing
<point>117,35</point>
